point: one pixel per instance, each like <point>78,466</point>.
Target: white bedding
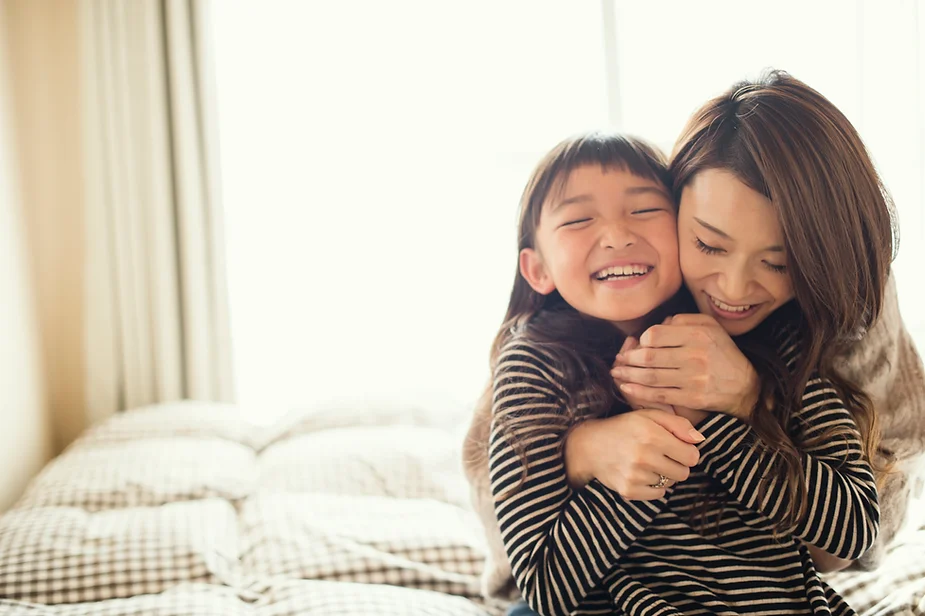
<point>187,509</point>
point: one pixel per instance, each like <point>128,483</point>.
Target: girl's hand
<point>689,361</point>
<point>628,453</point>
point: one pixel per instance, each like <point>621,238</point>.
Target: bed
<point>189,509</point>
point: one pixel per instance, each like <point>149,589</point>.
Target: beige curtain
<point>47,165</point>
<point>156,300</point>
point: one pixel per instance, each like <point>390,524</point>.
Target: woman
<point>730,146</point>
<point>726,268</point>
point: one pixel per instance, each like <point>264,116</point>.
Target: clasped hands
<point>670,377</point>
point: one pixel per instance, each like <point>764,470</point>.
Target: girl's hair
<point>578,343</point>
<point>789,143</point>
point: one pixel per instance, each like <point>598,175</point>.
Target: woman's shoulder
<point>886,364</point>
<point>879,348</point>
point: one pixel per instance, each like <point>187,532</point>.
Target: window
<point>373,156</point>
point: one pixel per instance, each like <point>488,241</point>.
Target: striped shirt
<point>590,551</point>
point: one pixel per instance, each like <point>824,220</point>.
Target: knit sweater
<point>884,363</point>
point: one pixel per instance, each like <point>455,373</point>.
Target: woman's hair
<point>789,143</point>
<point>577,343</point>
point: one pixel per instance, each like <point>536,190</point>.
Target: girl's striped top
<point>590,551</point>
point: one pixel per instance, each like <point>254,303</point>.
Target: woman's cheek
<point>690,262</point>
<point>782,288</point>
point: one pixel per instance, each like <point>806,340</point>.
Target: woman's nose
<point>734,283</point>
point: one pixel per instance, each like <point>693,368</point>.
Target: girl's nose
<point>617,237</point>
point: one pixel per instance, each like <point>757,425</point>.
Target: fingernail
<point>621,357</point>
<point>625,387</point>
<point>697,436</point>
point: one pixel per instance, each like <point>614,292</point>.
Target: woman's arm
<point>561,543</point>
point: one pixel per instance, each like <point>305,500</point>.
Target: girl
<point>623,182</point>
<point>564,546</point>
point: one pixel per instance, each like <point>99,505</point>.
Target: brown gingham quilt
<point>188,509</point>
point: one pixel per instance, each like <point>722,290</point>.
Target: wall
<point>25,427</point>
<point>44,75</point>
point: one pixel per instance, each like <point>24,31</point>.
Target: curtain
<point>156,318</point>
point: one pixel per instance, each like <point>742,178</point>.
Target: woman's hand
<point>689,361</point>
<point>636,404</point>
<point>692,415</point>
<point>628,453</point>
<point>695,416</point>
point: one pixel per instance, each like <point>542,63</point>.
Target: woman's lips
<point>721,309</point>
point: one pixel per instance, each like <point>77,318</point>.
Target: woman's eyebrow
<point>715,230</point>
<point>721,233</point>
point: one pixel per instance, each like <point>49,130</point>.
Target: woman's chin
<point>737,328</point>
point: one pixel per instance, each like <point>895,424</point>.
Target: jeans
<point>520,609</point>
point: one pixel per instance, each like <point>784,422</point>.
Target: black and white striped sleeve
<point>562,543</point>
<point>843,514</point>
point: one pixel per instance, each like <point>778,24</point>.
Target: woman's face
<point>732,251</point>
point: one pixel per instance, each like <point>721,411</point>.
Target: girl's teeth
<point>727,307</point>
<point>622,271</point>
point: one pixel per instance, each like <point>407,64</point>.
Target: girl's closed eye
<point>576,222</point>
<point>706,248</point>
<point>649,210</point>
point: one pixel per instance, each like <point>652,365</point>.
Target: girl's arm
<point>561,543</point>
<point>842,517</point>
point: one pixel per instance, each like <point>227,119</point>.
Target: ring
<point>662,482</point>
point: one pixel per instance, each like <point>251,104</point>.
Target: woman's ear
<point>534,272</point>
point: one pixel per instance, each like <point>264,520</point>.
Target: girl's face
<point>607,242</point>
<point>732,251</point>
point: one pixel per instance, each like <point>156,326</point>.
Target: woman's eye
<point>705,248</point>
<point>778,269</point>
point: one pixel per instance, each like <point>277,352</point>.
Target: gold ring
<point>662,482</point>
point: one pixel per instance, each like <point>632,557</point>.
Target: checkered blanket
<point>188,509</point>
